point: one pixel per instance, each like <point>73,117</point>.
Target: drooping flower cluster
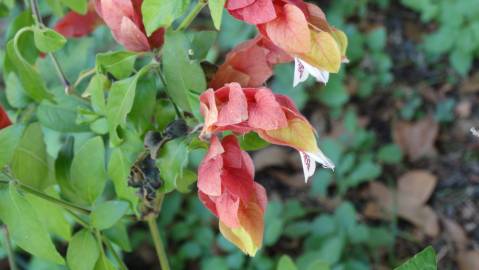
<point>227,188</point>
<point>299,29</point>
<point>123,17</point>
<point>4,120</point>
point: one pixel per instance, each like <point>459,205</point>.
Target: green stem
<point>160,249</point>
<point>108,244</point>
<point>7,245</point>
<point>59,202</point>
<point>192,15</point>
<point>163,81</point>
<point>39,22</point>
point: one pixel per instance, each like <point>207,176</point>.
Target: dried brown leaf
<point>468,260</point>
<point>416,139</point>
<point>415,187</point>
<point>456,232</point>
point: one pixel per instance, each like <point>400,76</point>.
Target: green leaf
<point>25,228</point>
<point>377,39</point>
<point>118,171</point>
<point>79,6</point>
<point>9,139</point>
<point>32,83</point>
<point>83,251</point>
<point>144,105</point>
<point>390,153</point>
<point>104,263</point>
<point>61,115</point>
<point>202,42</point>
<point>424,260</point>
<point>365,171</point>
<point>161,13</point>
<point>48,40</point>
<point>51,215</point>
<point>286,263</point>
<point>106,214</point>
<point>334,94</point>
<point>318,265</point>
<point>461,61</point>
<point>120,103</point>
<point>331,250</point>
<point>252,142</point>
<point>216,11</point>
<point>172,160</point>
<point>95,89</point>
<point>119,235</point>
<point>16,96</point>
<point>119,64</point>
<point>183,183</point>
<point>88,174</point>
<point>30,162</point>
<point>182,75</point>
<point>62,170</point>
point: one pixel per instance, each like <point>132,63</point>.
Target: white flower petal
<point>300,72</point>
<point>309,166</point>
<point>322,159</point>
<point>320,75</point>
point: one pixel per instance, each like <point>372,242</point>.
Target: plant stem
<point>163,81</point>
<point>160,249</point>
<point>59,202</point>
<point>108,244</point>
<point>192,15</point>
<point>39,22</point>
<point>8,247</point>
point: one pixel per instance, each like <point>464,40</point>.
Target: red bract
<point>78,25</point>
<point>227,188</point>
<point>252,11</point>
<point>274,117</point>
<point>250,64</point>
<point>4,120</point>
<point>124,19</point>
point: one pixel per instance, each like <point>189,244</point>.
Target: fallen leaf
<point>456,232</point>
<point>408,201</point>
<point>470,85</point>
<point>468,260</point>
<point>416,139</point>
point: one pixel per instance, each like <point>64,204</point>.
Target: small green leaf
<point>119,235</point>
<point>104,263</point>
<point>202,42</point>
<point>119,64</point>
<point>182,75</point>
<point>48,40</point>
<point>79,6</point>
<point>286,263</point>
<point>83,251</point>
<point>15,93</point>
<point>106,214</point>
<point>318,265</point>
<point>25,228</point>
<point>118,171</point>
<point>9,139</point>
<point>183,183</point>
<point>30,162</point>
<point>61,115</point>
<point>88,174</point>
<point>331,249</point>
<point>120,103</point>
<point>95,89</point>
<point>161,13</point>
<point>390,153</point>
<point>216,11</point>
<point>172,161</point>
<point>424,260</point>
<point>252,142</point>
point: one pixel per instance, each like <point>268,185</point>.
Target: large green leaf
<point>172,161</point>
<point>32,83</point>
<point>30,161</point>
<point>25,228</point>
<point>9,139</point>
<point>15,94</point>
<point>424,260</point>
<point>95,89</point>
<point>103,263</point>
<point>51,215</point>
<point>88,174</point>
<point>119,64</point>
<point>161,13</point>
<point>106,214</point>
<point>118,171</point>
<point>144,104</point>
<point>83,251</point>
<point>216,11</point>
<point>182,75</point>
<point>120,103</point>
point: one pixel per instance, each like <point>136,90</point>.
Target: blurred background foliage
<point>403,106</point>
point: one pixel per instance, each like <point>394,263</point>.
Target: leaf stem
<point>108,244</point>
<point>61,74</point>
<point>192,15</point>
<point>59,202</point>
<point>7,245</point>
<point>163,81</point>
<point>155,234</point>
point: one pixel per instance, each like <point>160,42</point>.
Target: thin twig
<point>192,15</point>
<point>8,246</point>
<point>155,234</point>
